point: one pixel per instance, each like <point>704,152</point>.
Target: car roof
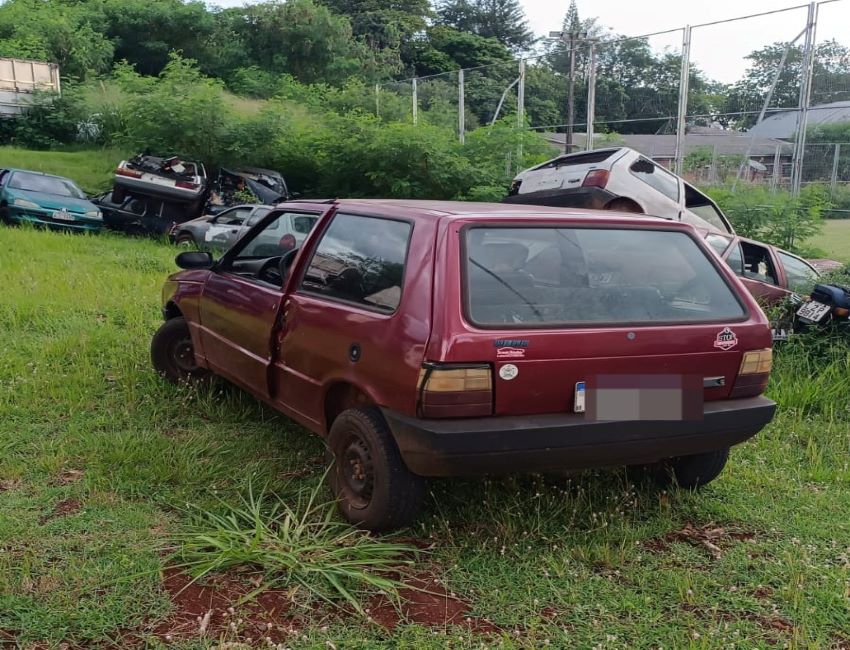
<point>452,210</point>
<point>32,171</point>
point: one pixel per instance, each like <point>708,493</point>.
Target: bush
<point>775,218</point>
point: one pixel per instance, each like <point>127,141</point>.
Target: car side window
<point>735,260</point>
<point>360,260</point>
<point>259,213</point>
<point>718,242</point>
<point>758,264</point>
<point>303,224</point>
<point>800,275</point>
<point>136,206</point>
<point>272,240</point>
<point>657,177</point>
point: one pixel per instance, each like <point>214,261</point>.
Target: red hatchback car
<point>430,339</point>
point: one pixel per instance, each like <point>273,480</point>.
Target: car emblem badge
<point>726,339</point>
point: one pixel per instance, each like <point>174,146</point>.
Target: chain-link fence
<point>759,99</point>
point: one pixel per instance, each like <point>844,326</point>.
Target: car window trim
<point>299,290</point>
<point>720,266</point>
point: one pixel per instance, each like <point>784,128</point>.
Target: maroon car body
<point>452,380</point>
<point>769,273</point>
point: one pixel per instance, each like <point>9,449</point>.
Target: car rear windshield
<point>539,276</point>
<point>47,184</point>
<point>589,158</point>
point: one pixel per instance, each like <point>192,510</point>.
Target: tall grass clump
<point>302,545</point>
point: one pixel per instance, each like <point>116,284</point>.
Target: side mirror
<point>194,260</point>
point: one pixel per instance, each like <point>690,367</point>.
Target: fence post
<point>777,169</point>
<point>684,81</point>
<point>520,95</point>
<point>461,108</point>
<point>415,102</point>
<point>805,97</point>
<point>591,98</point>
<point>712,170</point>
<point>833,181</point>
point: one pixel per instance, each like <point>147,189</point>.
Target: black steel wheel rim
<point>184,355</point>
<point>357,472</point>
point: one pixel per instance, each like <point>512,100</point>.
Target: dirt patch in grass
<point>64,508</point>
<point>427,602</point>
<point>770,623</point>
<point>9,484</point>
<point>68,476</point>
<point>709,537</point>
<point>212,609</point>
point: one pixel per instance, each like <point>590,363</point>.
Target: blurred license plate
<point>63,215</point>
<point>813,311</point>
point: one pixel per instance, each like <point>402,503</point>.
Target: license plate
<point>63,215</point>
<point>813,311</point>
<point>579,398</point>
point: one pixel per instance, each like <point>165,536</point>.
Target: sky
<point>718,50</point>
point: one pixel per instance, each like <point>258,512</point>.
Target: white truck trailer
<point>20,79</point>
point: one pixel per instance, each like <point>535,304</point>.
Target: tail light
<point>186,185</point>
<point>455,390</point>
<point>132,173</point>
<point>596,178</point>
<point>753,374</point>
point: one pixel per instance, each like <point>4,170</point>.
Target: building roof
<point>664,146</point>
<point>783,123</point>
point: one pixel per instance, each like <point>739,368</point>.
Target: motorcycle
<point>829,304</point>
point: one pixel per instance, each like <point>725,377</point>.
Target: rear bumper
<point>593,198</point>
<point>500,445</point>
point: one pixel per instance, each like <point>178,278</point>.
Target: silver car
<point>219,232</point>
<point>619,179</point>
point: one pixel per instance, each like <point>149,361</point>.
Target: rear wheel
<point>172,353</point>
<point>374,488</point>
<point>624,205</point>
<point>692,472</point>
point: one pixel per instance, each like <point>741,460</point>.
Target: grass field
<point>91,169</point>
<point>99,461</point>
<point>834,239</point>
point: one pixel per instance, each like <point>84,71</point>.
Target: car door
<point>239,310</point>
<point>254,218</point>
<point>224,229</point>
<point>755,264</point>
<point>341,313</point>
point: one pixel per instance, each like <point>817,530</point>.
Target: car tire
<point>185,240</point>
<point>172,353</point>
<point>692,472</point>
<point>624,205</point>
<point>374,489</point>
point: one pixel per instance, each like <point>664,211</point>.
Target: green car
<point>45,200</point>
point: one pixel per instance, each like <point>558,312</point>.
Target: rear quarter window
<point>544,276</point>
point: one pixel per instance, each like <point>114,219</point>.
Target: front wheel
<point>694,471</point>
<point>185,240</point>
<point>172,353</point>
<point>374,488</point>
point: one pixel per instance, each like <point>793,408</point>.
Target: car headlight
<point>94,214</point>
<point>23,203</point>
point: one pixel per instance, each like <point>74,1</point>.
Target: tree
<point>503,20</point>
<point>831,78</point>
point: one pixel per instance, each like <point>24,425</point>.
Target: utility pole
<point>571,38</point>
